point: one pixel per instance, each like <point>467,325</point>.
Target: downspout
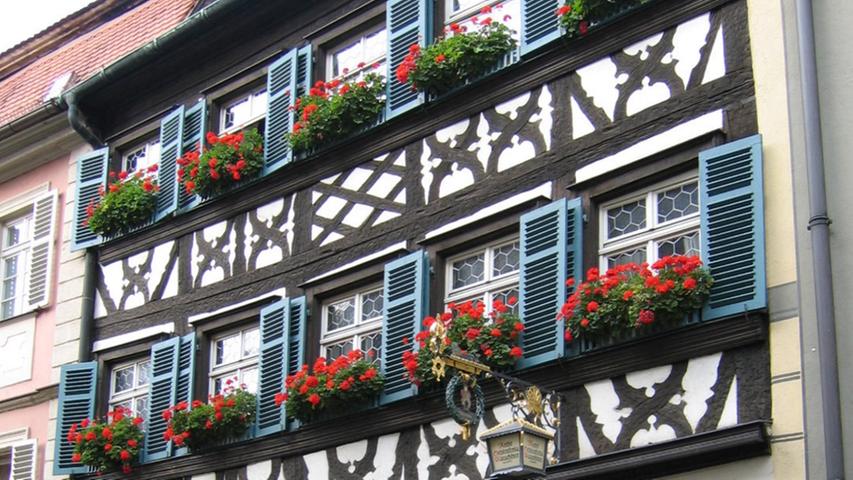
<point>90,272</point>
<point>819,228</point>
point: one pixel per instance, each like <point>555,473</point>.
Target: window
<point>484,275</point>
<point>141,155</point>
<point>359,55</point>
<point>645,226</point>
<point>14,257</point>
<point>353,322</point>
<point>243,110</point>
<point>129,387</point>
<point>468,13</point>
<point>234,359</point>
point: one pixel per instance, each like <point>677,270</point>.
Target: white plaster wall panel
<point>642,47</point>
<point>717,60</point>
<point>386,458</point>
<point>318,466</point>
<point>545,116</point>
<point>604,403</point>
<point>270,253</point>
<point>701,375</point>
<point>518,153</point>
<point>459,179</point>
<point>16,350</point>
<point>655,433</point>
<point>647,379</point>
<point>215,235</point>
<point>729,417</point>
<point>100,309</point>
<point>448,134</point>
<point>581,125</point>
<point>687,43</point>
<point>113,276</point>
<point>585,448</point>
<point>159,263</point>
<point>646,96</point>
<point>510,107</point>
<point>260,471</point>
<point>600,82</point>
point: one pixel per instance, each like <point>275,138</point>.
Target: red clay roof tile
<point>24,91</point>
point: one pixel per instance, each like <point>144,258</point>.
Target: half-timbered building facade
<point>640,139</point>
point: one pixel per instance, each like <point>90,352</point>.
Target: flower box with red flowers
<point>632,298</point>
<point>127,203</point>
<point>577,17</point>
<point>468,331</point>
<point>109,446</point>
<point>332,111</point>
<point>225,418</point>
<point>459,56</point>
<point>227,161</point>
<point>331,386</point>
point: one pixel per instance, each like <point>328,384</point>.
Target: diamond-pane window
<point>234,359</point>
<point>141,155</point>
<point>360,328</point>
<point>130,387</point>
<point>484,275</point>
<point>659,222</point>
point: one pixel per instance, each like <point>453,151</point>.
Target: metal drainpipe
<point>821,263</point>
<point>90,272</point>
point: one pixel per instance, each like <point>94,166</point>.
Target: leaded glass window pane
<point>228,350</point>
<point>505,295</point>
<point>371,345</point>
<point>683,245</point>
<point>637,256</point>
<point>505,259</point>
<point>468,271</point>
<point>124,379</point>
<point>335,350</point>
<point>251,342</point>
<point>626,218</point>
<point>340,314</point>
<point>371,305</point>
<point>678,202</point>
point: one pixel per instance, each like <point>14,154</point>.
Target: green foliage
<point>333,110</point>
<point>226,416</point>
<point>336,385</point>
<point>126,204</point>
<point>107,446</point>
<point>229,160</point>
<point>631,296</point>
<point>578,16</point>
<point>465,330</point>
<point>453,59</point>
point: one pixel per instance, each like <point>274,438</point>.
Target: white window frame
<point>491,284</point>
<point>360,328</point>
<point>146,143</point>
<point>357,37</point>
<point>464,16</point>
<point>654,231</point>
<point>257,109</point>
<point>237,368</point>
<point>21,251</point>
<point>136,392</point>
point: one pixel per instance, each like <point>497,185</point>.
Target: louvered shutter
<point>24,460</point>
<point>91,176</point>
<point>194,129</point>
<point>732,217</point>
<point>161,395</point>
<point>41,250</point>
<point>539,23</point>
<point>77,385</point>
<point>281,88</point>
<point>171,138</point>
<point>406,291</point>
<point>296,335</point>
<point>186,368</point>
<point>408,22</point>
<point>272,364</point>
<point>304,64</point>
<point>551,239</point>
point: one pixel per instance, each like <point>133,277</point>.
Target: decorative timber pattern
<point>640,408</point>
<point>394,188</point>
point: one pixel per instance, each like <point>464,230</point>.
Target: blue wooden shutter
<point>171,138</point>
<point>304,64</point>
<point>91,176</point>
<point>272,366</point>
<point>281,88</point>
<point>732,216</point>
<point>161,395</point>
<point>406,291</point>
<point>408,22</point>
<point>186,368</point>
<point>539,23</point>
<point>296,338</point>
<point>77,385</point>
<point>551,239</point>
<point>194,129</point>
